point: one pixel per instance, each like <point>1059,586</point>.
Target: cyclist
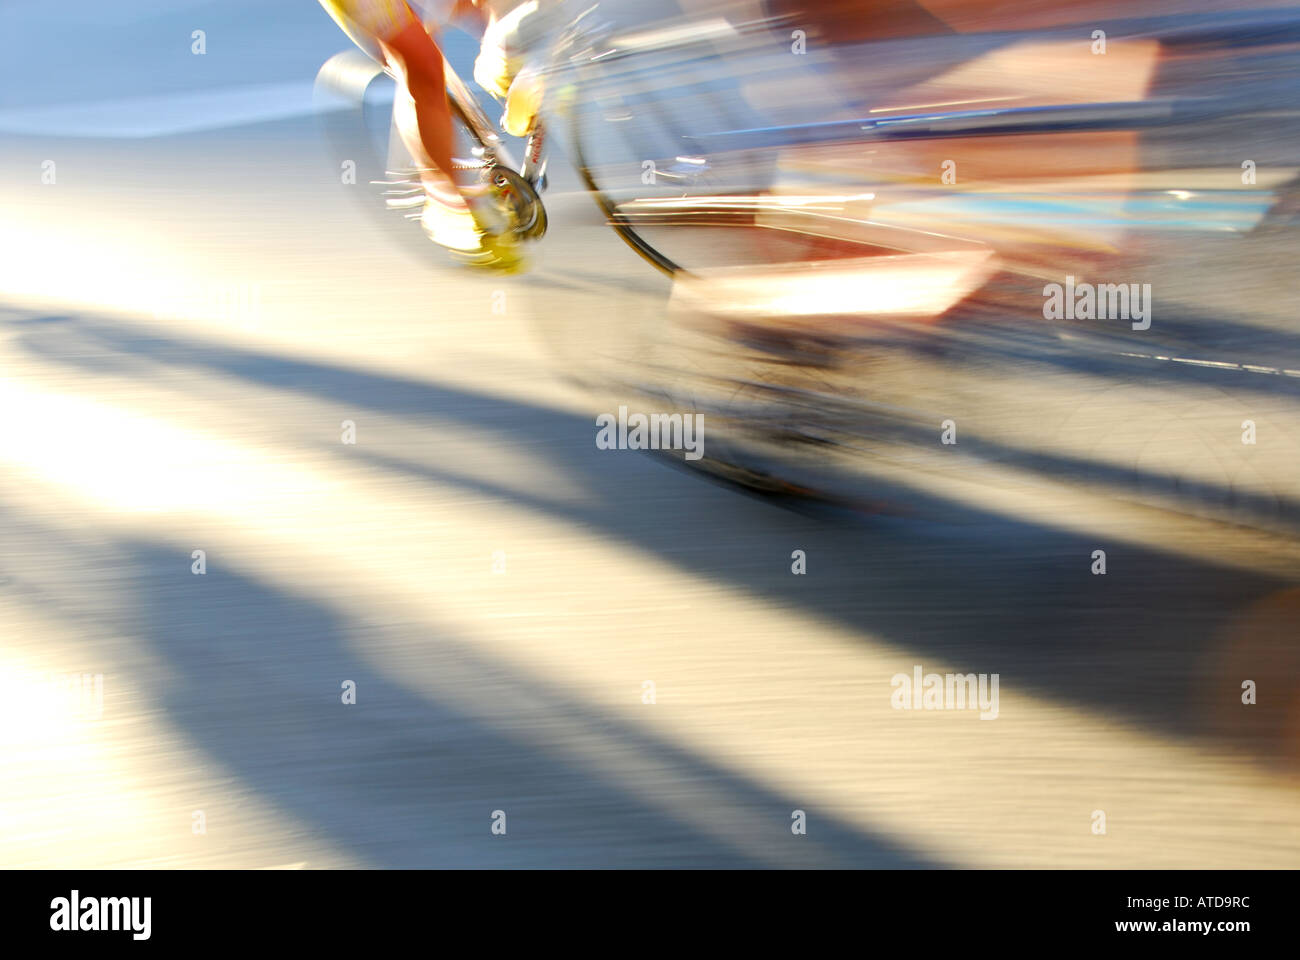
<point>460,212</point>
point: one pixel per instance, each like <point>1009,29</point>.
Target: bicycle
<point>712,172</point>
<point>348,79</point>
<point>785,396</point>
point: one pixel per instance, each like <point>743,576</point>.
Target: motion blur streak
<point>196,308</point>
<point>273,524</point>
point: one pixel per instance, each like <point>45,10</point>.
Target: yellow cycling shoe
<point>456,229</point>
<point>496,252</point>
<point>450,226</point>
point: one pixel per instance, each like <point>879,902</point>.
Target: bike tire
<point>617,222</point>
<point>698,78</point>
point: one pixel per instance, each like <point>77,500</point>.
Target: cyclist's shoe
<point>450,225</point>
<point>485,208</point>
<point>457,228</point>
<point>498,252</point>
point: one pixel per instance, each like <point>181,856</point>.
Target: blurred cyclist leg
<point>460,212</point>
<point>501,65</point>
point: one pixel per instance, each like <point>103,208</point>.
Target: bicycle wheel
<point>640,128</point>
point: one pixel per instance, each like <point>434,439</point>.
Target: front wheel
<point>641,126</point>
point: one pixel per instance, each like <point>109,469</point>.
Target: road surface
<point>608,655</point>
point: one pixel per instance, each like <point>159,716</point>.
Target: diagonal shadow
<point>251,675</point>
<point>989,594</point>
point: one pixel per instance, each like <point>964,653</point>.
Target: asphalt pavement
<point>208,343</point>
